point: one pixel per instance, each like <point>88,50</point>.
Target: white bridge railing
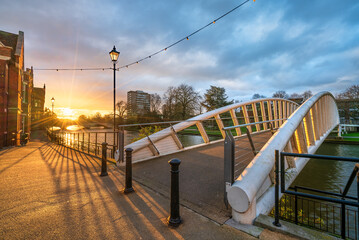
<point>303,132</point>
<point>167,141</point>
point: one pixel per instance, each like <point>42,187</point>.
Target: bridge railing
<point>89,142</point>
<point>304,131</point>
<point>168,141</point>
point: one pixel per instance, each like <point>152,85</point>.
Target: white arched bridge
<point>241,163</point>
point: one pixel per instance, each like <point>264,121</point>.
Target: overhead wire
<point>153,54</point>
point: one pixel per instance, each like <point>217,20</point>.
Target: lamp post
<point>114,56</point>
<point>52,101</point>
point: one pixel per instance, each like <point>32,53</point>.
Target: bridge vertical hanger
<point>288,107</point>
<point>275,110</point>
<point>235,121</point>
<point>290,160</point>
<point>202,131</point>
<point>280,113</point>
<point>309,130</point>
<point>285,116</point>
<point>264,116</point>
<point>269,107</point>
<point>302,138</point>
<point>246,118</point>
<point>255,114</point>
<point>220,125</point>
<point>314,111</point>
<point>176,139</point>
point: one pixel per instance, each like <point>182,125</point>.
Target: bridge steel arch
<point>166,141</point>
<point>303,132</point>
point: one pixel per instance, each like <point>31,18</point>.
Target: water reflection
<point>329,175</point>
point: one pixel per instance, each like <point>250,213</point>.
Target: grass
<point>194,131</point>
<point>353,134</point>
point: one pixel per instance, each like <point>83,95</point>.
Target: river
<point>329,175</point>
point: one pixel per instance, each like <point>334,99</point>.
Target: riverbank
<point>342,141</point>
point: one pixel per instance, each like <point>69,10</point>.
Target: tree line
<point>183,101</point>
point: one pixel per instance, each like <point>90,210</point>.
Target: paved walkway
<point>201,175</point>
<point>51,192</point>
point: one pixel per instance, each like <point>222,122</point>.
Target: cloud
<point>260,48</point>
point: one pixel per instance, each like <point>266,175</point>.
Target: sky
<point>262,47</point>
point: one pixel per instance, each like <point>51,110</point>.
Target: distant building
<point>37,106</point>
<point>15,89</point>
<point>138,103</point>
<point>348,110</point>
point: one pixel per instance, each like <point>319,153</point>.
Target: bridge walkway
<point>201,175</point>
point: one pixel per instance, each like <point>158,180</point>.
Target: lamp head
<point>114,54</point>
<point>52,100</point>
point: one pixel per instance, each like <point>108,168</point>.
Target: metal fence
<point>88,142</point>
<point>319,215</point>
<point>341,211</point>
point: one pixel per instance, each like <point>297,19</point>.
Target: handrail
<point>250,124</point>
<point>279,160</point>
<point>281,107</point>
<point>306,128</point>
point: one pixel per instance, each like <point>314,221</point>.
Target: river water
<point>329,175</point>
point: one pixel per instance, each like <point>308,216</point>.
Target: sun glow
<point>67,113</point>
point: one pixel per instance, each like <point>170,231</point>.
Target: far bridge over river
<point>238,170</point>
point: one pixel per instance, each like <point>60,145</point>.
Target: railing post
<point>174,219</point>
<point>295,206</point>
<point>229,156</point>
<point>276,190</point>
<point>121,144</point>
<point>358,198</point>
<point>342,220</point>
<point>128,182</point>
<point>104,160</point>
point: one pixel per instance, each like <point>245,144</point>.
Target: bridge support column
<point>246,217</point>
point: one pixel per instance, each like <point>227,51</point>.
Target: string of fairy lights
<point>187,37</point>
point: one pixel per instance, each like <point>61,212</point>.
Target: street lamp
<point>114,56</point>
<point>52,101</point>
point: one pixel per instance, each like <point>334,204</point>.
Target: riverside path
<point>49,191</point>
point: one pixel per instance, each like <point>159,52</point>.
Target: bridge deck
<point>201,174</point>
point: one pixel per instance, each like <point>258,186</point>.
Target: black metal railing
<point>88,142</point>
<point>335,213</point>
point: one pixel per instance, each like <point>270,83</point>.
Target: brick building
<point>15,89</point>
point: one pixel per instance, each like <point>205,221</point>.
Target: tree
<point>180,102</point>
<point>280,94</point>
<point>347,102</point>
<point>351,92</point>
<point>122,108</point>
<point>155,103</point>
<point>295,95</point>
<point>214,98</point>
<point>168,107</point>
<point>257,95</point>
<point>306,95</point>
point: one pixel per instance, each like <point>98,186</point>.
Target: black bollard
<point>174,219</point>
<point>128,183</point>
<point>104,160</point>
